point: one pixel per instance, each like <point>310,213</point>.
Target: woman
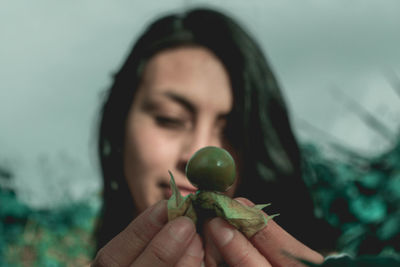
<point>194,80</point>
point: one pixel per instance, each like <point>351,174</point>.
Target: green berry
<point>211,168</point>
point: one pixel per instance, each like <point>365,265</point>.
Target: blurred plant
<point>362,200</point>
<point>362,261</point>
<point>356,193</point>
<point>31,237</point>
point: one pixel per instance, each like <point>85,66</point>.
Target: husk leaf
<point>248,220</point>
<point>179,205</point>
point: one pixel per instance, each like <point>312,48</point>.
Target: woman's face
<point>181,106</point>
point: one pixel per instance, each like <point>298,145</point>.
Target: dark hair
<point>258,127</point>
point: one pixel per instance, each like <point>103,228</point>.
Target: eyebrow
<point>188,105</point>
<point>181,100</point>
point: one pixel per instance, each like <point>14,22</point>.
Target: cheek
<point>147,149</point>
<point>148,156</point>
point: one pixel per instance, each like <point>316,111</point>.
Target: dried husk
<point>248,220</point>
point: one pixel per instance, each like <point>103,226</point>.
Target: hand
<point>150,240</point>
<point>223,243</point>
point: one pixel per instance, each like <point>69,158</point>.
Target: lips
<point>186,190</point>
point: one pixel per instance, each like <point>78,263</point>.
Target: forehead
<point>192,72</point>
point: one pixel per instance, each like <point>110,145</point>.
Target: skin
<point>150,240</point>
<point>268,247</point>
<point>180,107</point>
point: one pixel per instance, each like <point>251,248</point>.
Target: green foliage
<point>359,197</point>
<point>362,261</point>
<point>31,237</point>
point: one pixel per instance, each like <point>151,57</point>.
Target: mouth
<point>183,189</point>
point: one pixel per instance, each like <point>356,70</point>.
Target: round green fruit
<point>211,168</point>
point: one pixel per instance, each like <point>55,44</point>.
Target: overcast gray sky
<point>57,57</point>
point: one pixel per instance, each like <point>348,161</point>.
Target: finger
<point>235,248</point>
<point>169,245</point>
<point>212,255</point>
<point>127,245</point>
<point>245,201</point>
<point>276,244</point>
<point>194,254</point>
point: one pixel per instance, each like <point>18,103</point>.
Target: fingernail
<point>195,249</point>
<point>158,215</point>
<point>244,201</point>
<point>222,234</point>
<point>181,229</point>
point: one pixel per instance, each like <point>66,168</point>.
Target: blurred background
<point>337,61</point>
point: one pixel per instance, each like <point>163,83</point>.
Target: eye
<point>170,122</point>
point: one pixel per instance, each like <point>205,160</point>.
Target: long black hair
<point>258,126</point>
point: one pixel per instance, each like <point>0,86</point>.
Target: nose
<point>198,139</point>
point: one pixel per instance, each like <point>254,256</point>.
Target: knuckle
<point>103,259</point>
<point>161,252</point>
<point>243,258</point>
<point>139,236</point>
<point>188,260</point>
